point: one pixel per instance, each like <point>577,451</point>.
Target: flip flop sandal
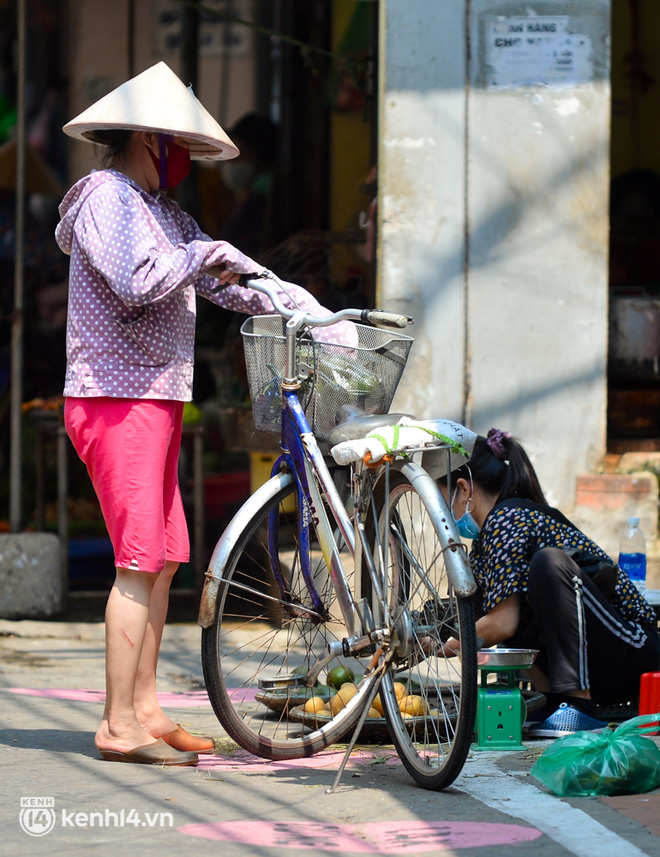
<point>157,753</point>
<point>180,739</point>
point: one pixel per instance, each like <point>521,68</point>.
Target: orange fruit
<point>336,704</point>
<point>413,705</point>
<point>314,704</point>
<point>347,691</point>
<point>400,691</point>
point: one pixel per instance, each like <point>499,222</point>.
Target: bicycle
<point>357,567</point>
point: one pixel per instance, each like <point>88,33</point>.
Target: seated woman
<point>595,639</point>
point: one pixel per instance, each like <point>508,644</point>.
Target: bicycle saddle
<point>354,423</point>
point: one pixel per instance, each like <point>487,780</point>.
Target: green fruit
<point>339,675</point>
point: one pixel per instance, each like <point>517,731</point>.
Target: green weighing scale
<point>501,709</point>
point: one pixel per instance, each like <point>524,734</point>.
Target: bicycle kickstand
<point>360,723</point>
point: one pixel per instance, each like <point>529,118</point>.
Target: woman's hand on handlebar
<point>224,276</point>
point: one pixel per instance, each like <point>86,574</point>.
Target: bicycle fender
<point>228,541</point>
<point>457,564</point>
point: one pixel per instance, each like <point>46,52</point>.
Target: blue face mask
<point>467,527</point>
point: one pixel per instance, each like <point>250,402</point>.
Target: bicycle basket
<point>365,375</point>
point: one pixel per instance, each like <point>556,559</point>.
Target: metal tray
<point>282,698</point>
<point>507,658</point>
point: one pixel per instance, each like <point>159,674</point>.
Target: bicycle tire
<point>253,638</point>
<point>434,742</point>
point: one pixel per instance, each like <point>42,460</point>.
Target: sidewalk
<point>51,681</point>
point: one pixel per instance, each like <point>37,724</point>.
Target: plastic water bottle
<point>632,554</point>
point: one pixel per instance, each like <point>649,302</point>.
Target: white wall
<point>518,340</point>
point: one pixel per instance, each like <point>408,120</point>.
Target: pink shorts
<point>131,450</point>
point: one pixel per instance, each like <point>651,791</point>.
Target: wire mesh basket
<point>365,375</point>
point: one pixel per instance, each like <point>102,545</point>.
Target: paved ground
<point>51,676</point>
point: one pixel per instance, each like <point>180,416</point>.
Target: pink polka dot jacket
<point>137,263</point>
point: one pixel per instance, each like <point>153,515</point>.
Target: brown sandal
<point>179,739</point>
<point>157,753</point>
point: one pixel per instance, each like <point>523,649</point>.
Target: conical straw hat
<point>156,100</point>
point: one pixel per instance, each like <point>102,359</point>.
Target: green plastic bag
<point>612,762</point>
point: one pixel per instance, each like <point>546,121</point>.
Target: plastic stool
<point>649,694</point>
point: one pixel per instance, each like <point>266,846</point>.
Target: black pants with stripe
<point>583,641</point>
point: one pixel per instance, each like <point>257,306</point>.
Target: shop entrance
<point>634,334</point>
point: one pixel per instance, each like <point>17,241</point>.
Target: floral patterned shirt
<point>510,536</point>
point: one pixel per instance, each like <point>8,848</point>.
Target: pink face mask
<point>173,165</point>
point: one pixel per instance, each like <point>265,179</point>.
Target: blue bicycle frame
<point>302,454</point>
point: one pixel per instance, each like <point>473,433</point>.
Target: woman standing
<point>137,263</point>
<point>545,585</point>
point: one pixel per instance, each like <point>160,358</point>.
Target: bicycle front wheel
<point>257,645</point>
<point>429,699</point>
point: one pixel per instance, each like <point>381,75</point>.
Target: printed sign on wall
<point>536,50</point>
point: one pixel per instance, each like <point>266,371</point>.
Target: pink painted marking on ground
<point>191,699</point>
<point>245,763</point>
<point>73,694</point>
<point>386,837</point>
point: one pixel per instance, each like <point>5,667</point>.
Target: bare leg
<point>126,618</point>
<point>147,708</point>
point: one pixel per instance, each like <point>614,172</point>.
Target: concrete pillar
<point>538,226</point>
<point>421,187</point>
<point>494,180</point>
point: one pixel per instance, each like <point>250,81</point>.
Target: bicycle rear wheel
<point>256,641</point>
<point>434,734</point>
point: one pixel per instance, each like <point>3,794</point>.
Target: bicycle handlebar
<point>385,318</point>
<point>259,283</point>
